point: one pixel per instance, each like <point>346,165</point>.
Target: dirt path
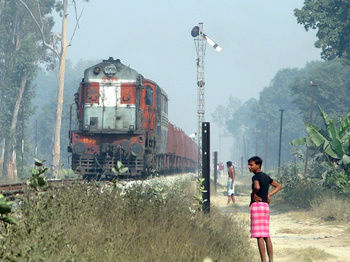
<point>295,235</point>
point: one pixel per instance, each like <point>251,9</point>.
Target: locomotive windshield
<point>149,96</point>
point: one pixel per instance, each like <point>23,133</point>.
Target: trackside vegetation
<point>143,221</point>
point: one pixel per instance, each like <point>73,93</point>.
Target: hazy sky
<point>258,38</point>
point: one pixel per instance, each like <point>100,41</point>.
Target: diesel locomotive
<point>122,116</point>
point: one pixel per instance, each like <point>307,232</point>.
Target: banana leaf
<point>344,125</point>
<point>302,141</point>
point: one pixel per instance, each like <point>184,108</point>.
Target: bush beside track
<point>144,221</point>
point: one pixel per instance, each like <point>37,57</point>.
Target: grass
<point>308,254</point>
<point>331,207</point>
<point>142,222</point>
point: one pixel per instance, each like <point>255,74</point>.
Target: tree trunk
<point>11,154</point>
<point>56,139</point>
<point>2,156</point>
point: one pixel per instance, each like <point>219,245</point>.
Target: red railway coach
<point>121,116</point>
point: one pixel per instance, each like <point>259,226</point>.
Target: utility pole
<point>311,113</point>
<point>279,151</point>
<point>266,144</point>
<point>200,42</point>
<point>256,142</point>
<point>22,149</point>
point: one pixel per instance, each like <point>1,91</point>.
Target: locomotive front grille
<point>91,166</point>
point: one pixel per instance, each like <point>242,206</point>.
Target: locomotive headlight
<point>136,149</point>
<point>79,148</point>
<point>97,70</point>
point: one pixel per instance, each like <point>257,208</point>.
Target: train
<point>122,116</point>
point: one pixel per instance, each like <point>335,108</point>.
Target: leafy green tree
<point>332,90</point>
<point>331,19</point>
<point>50,43</point>
<point>241,127</point>
<point>45,101</point>
<point>267,112</point>
<point>19,55</point>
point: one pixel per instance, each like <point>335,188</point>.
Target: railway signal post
<point>200,40</point>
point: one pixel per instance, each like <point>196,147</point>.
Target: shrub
<point>138,222</point>
<point>297,189</point>
<point>331,207</point>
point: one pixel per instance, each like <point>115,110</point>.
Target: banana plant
<point>333,143</point>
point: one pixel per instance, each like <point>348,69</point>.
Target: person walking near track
<point>230,183</point>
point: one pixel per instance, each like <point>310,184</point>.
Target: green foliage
<point>331,92</point>
<point>20,54</point>
<point>134,222</point>
<point>119,169</point>
<point>333,143</point>
<point>337,180</point>
<point>38,179</point>
<point>199,197</point>
<point>298,190</point>
<point>330,18</point>
<point>5,209</point>
<point>334,147</point>
<point>249,121</point>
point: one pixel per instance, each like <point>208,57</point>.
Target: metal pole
<point>200,46</point>
<point>279,151</point>
<point>311,113</point>
<point>256,142</point>
<point>22,137</point>
<point>206,166</point>
<point>215,170</point>
<point>36,139</point>
<point>266,145</point>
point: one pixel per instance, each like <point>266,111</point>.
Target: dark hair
<point>257,160</point>
<point>229,163</point>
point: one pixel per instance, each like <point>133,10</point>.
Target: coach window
<point>149,96</point>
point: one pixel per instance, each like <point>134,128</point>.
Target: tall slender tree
<point>60,52</point>
<point>18,63</point>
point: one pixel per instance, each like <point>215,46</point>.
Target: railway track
<point>19,187</point>
<point>12,189</point>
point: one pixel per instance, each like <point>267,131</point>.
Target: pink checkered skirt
<point>259,219</point>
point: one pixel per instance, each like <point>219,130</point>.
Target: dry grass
<point>85,222</point>
<point>296,231</point>
<point>308,254</point>
<point>330,207</point>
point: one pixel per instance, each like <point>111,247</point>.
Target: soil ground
<point>295,234</point>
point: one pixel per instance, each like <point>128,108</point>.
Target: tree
<point>46,90</point>
<point>267,112</point>
<point>220,116</point>
<point>18,63</point>
<point>36,15</point>
<point>332,80</point>
<point>331,19</point>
